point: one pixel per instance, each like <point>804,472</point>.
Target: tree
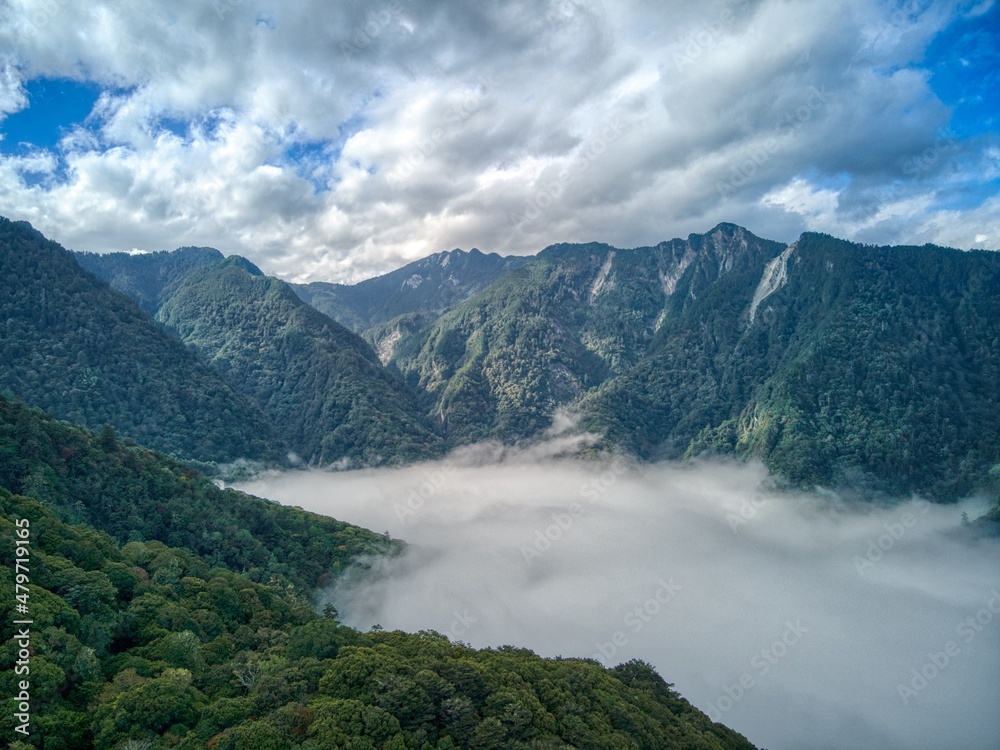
<point>107,441</point>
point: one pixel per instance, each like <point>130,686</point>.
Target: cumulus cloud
<point>803,621</point>
<point>335,142</point>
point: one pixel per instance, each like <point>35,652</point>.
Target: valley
<point>718,458</point>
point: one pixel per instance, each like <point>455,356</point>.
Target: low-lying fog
<point>795,619</point>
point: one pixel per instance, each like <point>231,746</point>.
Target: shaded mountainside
<point>320,385</point>
<point>428,286</point>
<point>834,363</point>
<point>838,363</point>
<point>148,278</point>
<point>137,640</point>
<point>82,351</point>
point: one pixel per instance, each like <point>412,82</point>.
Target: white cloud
<point>556,554</point>
<point>429,127</point>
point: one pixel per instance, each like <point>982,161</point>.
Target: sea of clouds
<point>799,619</point>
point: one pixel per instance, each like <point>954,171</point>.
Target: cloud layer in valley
<point>800,620</point>
<point>335,141</point>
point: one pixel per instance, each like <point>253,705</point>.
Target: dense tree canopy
<point>82,351</point>
<point>135,494</point>
<point>321,385</point>
<point>140,644</point>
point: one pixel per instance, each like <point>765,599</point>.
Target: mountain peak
<point>239,261</point>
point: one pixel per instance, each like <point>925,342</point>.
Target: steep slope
<point>320,384</point>
<point>148,278</point>
<point>501,363</point>
<point>134,494</point>
<point>431,285</point>
<point>839,363</point>
<point>82,351</point>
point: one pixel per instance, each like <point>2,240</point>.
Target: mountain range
<point>168,612</point>
<point>837,364</point>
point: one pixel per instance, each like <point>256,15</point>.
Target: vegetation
<point>434,284</point>
<point>133,494</point>
<point>319,384</point>
<point>548,333</point>
<point>142,644</point>
<point>148,278</point>
<point>871,365</point>
<point>80,350</point>
<point>858,365</point>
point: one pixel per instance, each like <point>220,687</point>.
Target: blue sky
<point>54,107</point>
<point>964,61</point>
<point>339,142</point>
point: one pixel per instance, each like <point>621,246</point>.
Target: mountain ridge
<point>83,351</point>
<point>719,343</point>
<point>321,385</point>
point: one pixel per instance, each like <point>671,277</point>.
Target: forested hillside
<point>861,364</point>
<point>134,494</point>
<point>139,642</point>
<point>148,278</point>
<point>82,351</point>
<point>429,286</point>
<point>499,365</point>
<point>837,364</point>
<point>321,386</point>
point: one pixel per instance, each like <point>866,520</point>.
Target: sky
<point>336,141</point>
<point>800,620</point>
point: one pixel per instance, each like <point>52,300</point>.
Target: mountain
<point>137,495</point>
<point>835,363</point>
<point>135,640</point>
<point>82,351</point>
<point>148,278</point>
<point>428,286</point>
<point>322,387</point>
<point>500,364</point>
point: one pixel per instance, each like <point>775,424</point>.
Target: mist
<point>801,620</point>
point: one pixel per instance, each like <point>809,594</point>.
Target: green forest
<point>863,369</point>
<point>84,352</point>
<point>167,613</point>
